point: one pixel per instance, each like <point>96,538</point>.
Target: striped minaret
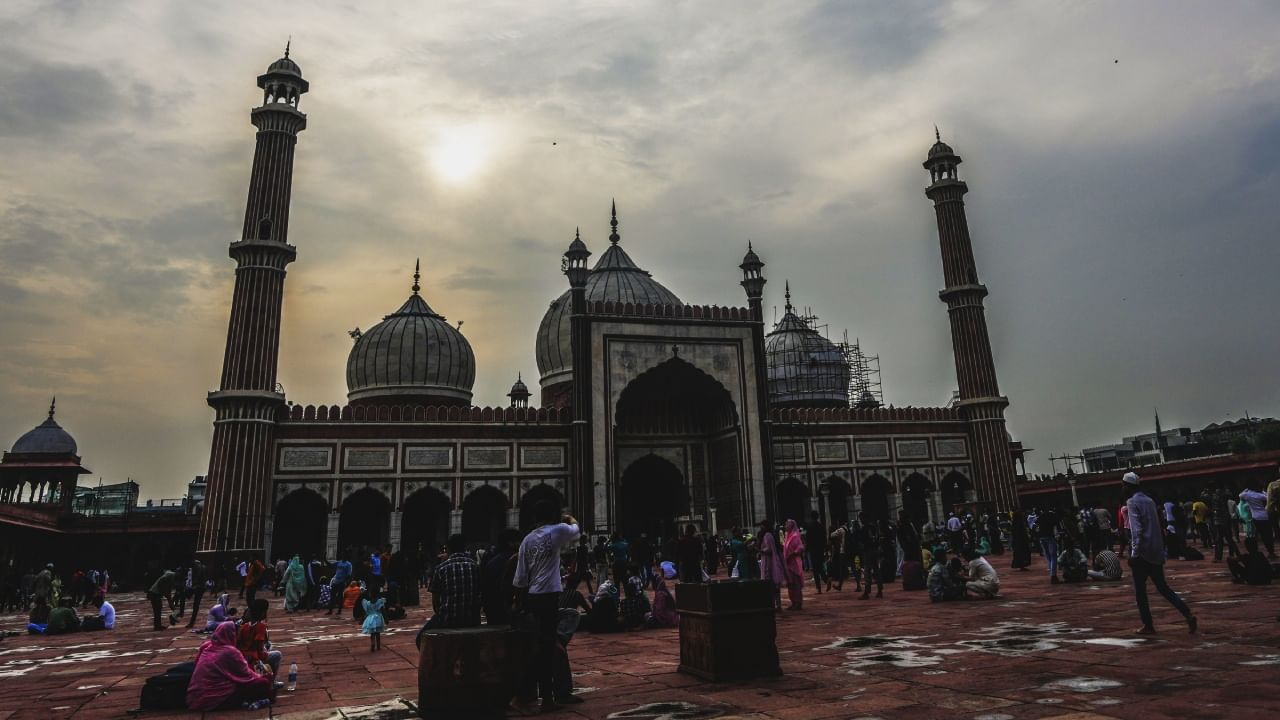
<point>236,509</point>
<point>980,396</point>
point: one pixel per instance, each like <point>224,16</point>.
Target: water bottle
<point>293,677</point>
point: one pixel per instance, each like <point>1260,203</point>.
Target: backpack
<point>167,691</point>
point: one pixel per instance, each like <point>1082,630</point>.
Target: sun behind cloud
<point>463,151</point>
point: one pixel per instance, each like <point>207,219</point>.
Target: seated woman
<point>1072,562</point>
<point>218,614</point>
<point>571,597</point>
<point>946,580</point>
<point>664,613</point>
<point>635,604</point>
<point>223,678</point>
<point>603,615</point>
<point>1252,567</point>
<point>38,620</point>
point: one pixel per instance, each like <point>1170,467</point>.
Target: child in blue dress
<point>374,624</point>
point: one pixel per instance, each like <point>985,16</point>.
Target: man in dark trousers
<point>1146,556</point>
<point>159,593</point>
<point>815,543</point>
<point>198,578</point>
<point>537,582</point>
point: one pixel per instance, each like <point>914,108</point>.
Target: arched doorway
<point>424,525</point>
<point>875,498</point>
<point>793,502</point>
<point>299,525</point>
<point>955,490</point>
<point>364,522</point>
<point>484,515</point>
<point>530,499</point>
<point>837,501</point>
<point>677,404</point>
<point>915,498</point>
<point>652,495</point>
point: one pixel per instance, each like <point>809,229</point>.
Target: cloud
<point>1121,212</point>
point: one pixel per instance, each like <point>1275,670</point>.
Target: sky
<point>1123,161</point>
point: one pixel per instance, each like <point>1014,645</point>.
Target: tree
<point>1241,445</point>
<point>1269,438</point>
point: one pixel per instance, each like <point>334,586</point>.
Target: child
<point>373,622</point>
<point>326,594</point>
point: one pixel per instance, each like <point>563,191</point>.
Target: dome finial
<point>937,135</point>
<point>613,223</point>
<point>287,43</point>
<point>52,405</point>
<point>788,306</point>
<point>417,266</point>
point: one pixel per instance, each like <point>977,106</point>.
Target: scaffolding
<point>804,367</point>
<point>865,390</point>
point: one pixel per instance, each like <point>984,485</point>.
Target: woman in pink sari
<point>223,678</point>
<point>793,560</point>
<point>771,568</point>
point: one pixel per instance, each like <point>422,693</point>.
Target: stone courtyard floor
<point>1064,651</point>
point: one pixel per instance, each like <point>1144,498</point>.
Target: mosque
<point>651,412</point>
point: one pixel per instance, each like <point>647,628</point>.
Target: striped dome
<point>412,357</point>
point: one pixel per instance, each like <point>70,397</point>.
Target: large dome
<point>412,357</point>
<point>47,438</point>
<point>615,278</point>
<point>805,368</point>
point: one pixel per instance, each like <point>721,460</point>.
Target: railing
<point>426,414</point>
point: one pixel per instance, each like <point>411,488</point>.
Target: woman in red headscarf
<point>223,678</point>
<point>793,559</point>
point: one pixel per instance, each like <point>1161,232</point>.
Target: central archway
<point>652,495</point>
<point>484,515</point>
<point>955,490</point>
<point>424,525</point>
<point>364,522</point>
<point>678,406</point>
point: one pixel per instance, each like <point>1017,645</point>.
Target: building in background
<point>654,411</point>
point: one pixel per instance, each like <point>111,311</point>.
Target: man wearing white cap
<point>1146,556</point>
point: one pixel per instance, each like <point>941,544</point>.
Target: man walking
<point>537,580</point>
<point>1257,503</point>
<point>197,577</point>
<point>1146,556</point>
<point>1220,513</point>
<point>815,543</point>
<point>159,592</point>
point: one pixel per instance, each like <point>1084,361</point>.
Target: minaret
<point>580,495</point>
<point>980,397</point>
<point>247,401</point>
<point>753,282</point>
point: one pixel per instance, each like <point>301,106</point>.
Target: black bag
<point>1190,553</point>
<point>169,690</point>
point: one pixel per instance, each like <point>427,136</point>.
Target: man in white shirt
<point>537,580</point>
<point>104,620</point>
<point>982,581</point>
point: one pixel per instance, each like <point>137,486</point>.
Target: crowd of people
<point>556,580</point>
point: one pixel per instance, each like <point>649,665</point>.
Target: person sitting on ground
<point>603,615</point>
<point>635,604</point>
<point>1252,567</point>
<point>253,640</point>
<point>223,678</point>
<point>1072,562</point>
<point>571,598</point>
<point>218,614</point>
<point>982,581</point>
<point>63,619</point>
<point>104,620</point>
<point>1106,566</point>
<point>350,596</point>
<point>395,608</point>
<point>664,613</point>
<point>943,583</point>
<point>39,617</point>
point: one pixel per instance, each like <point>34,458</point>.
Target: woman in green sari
<point>295,584</point>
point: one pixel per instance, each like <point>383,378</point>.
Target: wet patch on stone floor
<point>668,711</point>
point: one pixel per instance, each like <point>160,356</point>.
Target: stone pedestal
<point>470,672</point>
<point>727,630</point>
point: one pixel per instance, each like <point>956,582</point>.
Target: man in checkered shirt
<point>455,589</point>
